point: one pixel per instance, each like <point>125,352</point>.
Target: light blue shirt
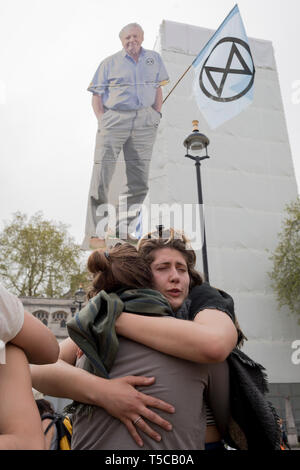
<point>128,85</point>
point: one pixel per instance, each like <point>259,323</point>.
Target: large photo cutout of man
<point>127,101</point>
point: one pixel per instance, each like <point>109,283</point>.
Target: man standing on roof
<point>127,101</point>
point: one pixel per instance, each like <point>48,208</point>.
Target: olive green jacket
<point>93,327</point>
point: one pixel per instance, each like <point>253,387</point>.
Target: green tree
<point>39,258</point>
<point>285,275</point>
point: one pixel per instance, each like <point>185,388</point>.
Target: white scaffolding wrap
<point>246,184</point>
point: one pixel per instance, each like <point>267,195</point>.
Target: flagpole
<point>181,78</point>
<point>178,81</point>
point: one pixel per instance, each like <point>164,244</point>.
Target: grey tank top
<point>178,382</point>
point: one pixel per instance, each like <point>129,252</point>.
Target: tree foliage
<point>39,258</point>
<point>286,260</point>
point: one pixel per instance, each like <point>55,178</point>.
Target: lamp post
<point>79,297</point>
<point>198,141</point>
<point>73,308</point>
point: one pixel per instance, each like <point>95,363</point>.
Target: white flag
<point>224,72</point>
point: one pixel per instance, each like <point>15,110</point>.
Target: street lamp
<point>73,308</point>
<point>197,141</point>
<point>79,297</point>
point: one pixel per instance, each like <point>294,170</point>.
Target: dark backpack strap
<point>62,429</point>
<point>53,421</point>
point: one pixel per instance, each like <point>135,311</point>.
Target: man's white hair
<point>128,26</point>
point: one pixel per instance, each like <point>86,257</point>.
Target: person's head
<point>119,267</point>
<point>172,263</point>
<point>132,36</point>
<point>44,406</point>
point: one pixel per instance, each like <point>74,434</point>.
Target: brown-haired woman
<point>253,421</point>
<point>166,253</point>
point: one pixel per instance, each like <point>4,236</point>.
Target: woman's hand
<point>121,400</point>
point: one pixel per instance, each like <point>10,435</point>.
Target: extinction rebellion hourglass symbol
<point>219,83</point>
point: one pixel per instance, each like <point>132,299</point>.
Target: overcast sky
<point>50,50</point>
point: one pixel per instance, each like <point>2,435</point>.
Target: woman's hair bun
<point>97,262</point>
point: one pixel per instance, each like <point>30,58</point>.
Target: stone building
<point>54,313</point>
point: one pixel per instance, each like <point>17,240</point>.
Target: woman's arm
<point>209,338</point>
<point>37,341</point>
<point>64,380</point>
<point>20,423</point>
<point>118,397</point>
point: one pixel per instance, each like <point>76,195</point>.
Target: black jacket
<point>254,423</point>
